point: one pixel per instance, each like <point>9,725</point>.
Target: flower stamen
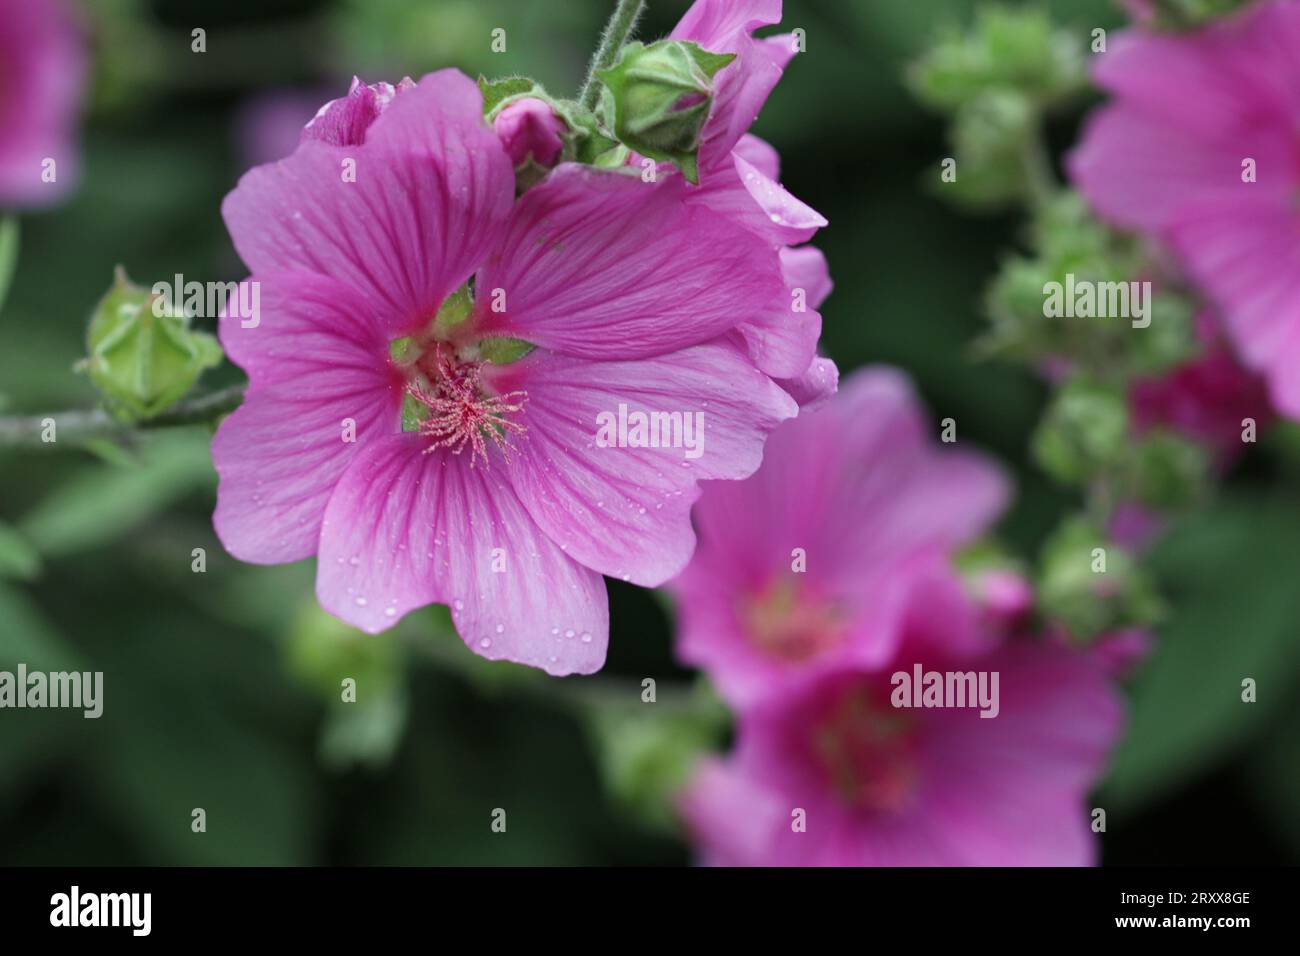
<point>457,412</point>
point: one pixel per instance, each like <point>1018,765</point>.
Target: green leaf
<point>8,255</point>
<point>1230,619</point>
<point>100,503</point>
<point>18,559</point>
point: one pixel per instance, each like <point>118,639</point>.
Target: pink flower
<point>739,178</point>
<point>1206,398</point>
<point>738,171</point>
<point>42,71</point>
<point>269,126</point>
<point>496,494</point>
<point>860,515</point>
<point>344,122</point>
<point>833,773</point>
<point>529,128</point>
<point>1199,148</point>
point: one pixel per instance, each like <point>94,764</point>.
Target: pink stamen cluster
<point>460,411</point>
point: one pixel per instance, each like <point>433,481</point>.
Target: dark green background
<point>218,686</point>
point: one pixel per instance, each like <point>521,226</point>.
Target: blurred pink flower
<point>833,774</point>
<point>497,499</point>
<point>42,76</point>
<point>1199,148</point>
<point>1206,398</point>
<point>836,546</point>
<point>269,126</point>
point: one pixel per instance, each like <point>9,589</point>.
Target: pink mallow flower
<point>739,178</point>
<point>386,429</point>
<point>840,542</point>
<point>833,773</point>
<point>530,129</point>
<point>1199,148</point>
<point>42,73</point>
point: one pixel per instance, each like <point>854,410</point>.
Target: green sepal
<point>642,97</point>
<point>502,350</point>
<point>413,413</point>
<point>496,93</point>
<point>455,310</point>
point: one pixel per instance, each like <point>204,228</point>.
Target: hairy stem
<point>73,428</point>
<point>617,32</point>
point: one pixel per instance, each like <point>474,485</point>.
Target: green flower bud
<point>1004,50</point>
<point>988,137</point>
<point>657,99</point>
<point>143,358</point>
<point>1092,586</point>
<point>1169,471</point>
<point>1084,431</point>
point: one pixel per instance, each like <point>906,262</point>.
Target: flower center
<point>446,397</point>
<point>788,625</point>
<point>868,752</point>
<point>447,402</point>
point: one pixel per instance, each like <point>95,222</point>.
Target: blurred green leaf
<point>647,750</point>
<point>8,255</point>
<point>18,559</point>
<point>100,503</point>
<point>1231,618</point>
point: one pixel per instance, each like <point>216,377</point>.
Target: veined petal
<point>404,218</point>
<point>600,265</point>
<point>404,529</point>
<point>302,324</point>
<point>279,454</point>
<point>622,509</point>
<point>783,339</point>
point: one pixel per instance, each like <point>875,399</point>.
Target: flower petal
<point>298,325</point>
<point>600,265</point>
<point>725,26</point>
<point>280,453</point>
<point>432,188</point>
<point>783,339</point>
<point>404,529</point>
<point>625,511</point>
<point>819,382</point>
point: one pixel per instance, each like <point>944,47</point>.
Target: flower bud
<point>531,131</point>
<point>142,357</point>
<point>658,97</point>
<point>1090,585</point>
<point>1085,430</point>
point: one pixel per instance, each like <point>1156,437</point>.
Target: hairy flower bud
<point>657,99</point>
<point>142,357</point>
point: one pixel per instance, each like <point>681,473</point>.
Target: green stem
<point>74,428</point>
<point>1040,181</point>
<point>617,32</point>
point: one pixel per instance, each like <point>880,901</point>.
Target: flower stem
<point>617,32</point>
<point>1040,180</point>
<point>74,428</point>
